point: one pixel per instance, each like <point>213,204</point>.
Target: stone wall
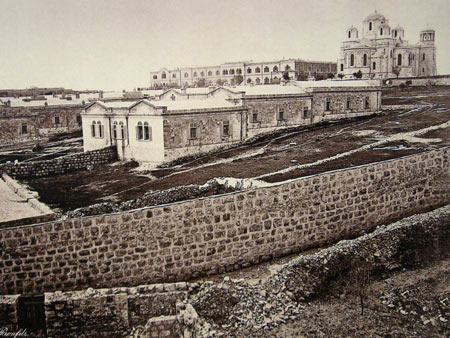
<point>59,165</point>
<point>440,80</point>
<point>8,314</point>
<point>216,234</point>
<point>39,121</point>
<point>267,110</point>
<point>112,312</point>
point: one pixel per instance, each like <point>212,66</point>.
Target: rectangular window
<point>305,112</point>
<point>366,103</point>
<point>327,105</point>
<point>281,115</point>
<point>24,128</point>
<point>193,131</point>
<point>255,117</point>
<point>348,103</point>
<point>56,119</point>
<point>226,128</point>
<point>374,66</point>
<point>79,120</point>
<point>140,131</point>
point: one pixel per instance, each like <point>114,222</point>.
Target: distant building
<point>184,122</point>
<point>235,73</point>
<point>382,52</point>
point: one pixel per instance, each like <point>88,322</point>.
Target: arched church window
<point>342,67</point>
<point>352,60</point>
<point>399,59</point>
<point>349,34</point>
<point>370,26</point>
<point>275,69</point>
<point>365,60</point>
<point>381,31</point>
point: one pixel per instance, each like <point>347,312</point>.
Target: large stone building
<point>176,123</point>
<point>382,52</point>
<point>235,73</point>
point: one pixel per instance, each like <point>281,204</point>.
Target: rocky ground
<point>384,284</point>
<point>399,131</point>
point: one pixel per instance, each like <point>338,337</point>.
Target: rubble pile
<point>158,197</point>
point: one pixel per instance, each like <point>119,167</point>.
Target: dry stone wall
<point>60,165</point>
<point>215,234</point>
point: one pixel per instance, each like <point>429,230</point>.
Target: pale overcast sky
<point>112,44</point>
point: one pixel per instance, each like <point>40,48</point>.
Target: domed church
<point>382,52</point>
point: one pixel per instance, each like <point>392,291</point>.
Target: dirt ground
<point>295,154</point>
<point>413,303</point>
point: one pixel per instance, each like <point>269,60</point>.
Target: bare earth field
<point>395,133</point>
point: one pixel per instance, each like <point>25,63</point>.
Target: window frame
<point>193,131</point>
<point>280,115</point>
<point>226,128</point>
<point>24,128</point>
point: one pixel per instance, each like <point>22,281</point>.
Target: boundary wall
<point>438,80</point>
<point>60,165</point>
<point>221,233</point>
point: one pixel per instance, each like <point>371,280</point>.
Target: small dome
<point>352,28</point>
<point>375,16</point>
<point>399,28</point>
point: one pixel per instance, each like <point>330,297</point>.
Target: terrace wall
<point>210,235</point>
<point>60,165</point>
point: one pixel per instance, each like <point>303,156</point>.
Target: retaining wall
<point>439,80</point>
<point>60,165</point>
<point>213,234</point>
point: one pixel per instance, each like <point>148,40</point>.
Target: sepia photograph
<point>206,168</point>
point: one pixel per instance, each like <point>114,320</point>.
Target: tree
<point>286,76</point>
<point>358,74</point>
<point>341,75</point>
<point>237,80</point>
<point>396,71</point>
<point>201,83</point>
<point>220,82</point>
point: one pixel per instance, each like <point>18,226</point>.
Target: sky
<point>114,44</point>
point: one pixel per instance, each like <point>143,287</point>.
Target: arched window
<point>231,71</point>
<point>249,70</point>
<point>342,67</point>
<point>423,57</point>
<point>139,131</point>
<point>93,128</point>
<point>266,69</point>
<point>100,129</point>
<point>258,70</point>
<point>381,31</point>
<point>210,73</point>
<point>174,75</point>
<point>395,34</point>
<point>202,74</point>
<point>186,75</point>
<point>370,26</point>
<point>217,72</point>
<point>266,80</point>
<point>349,34</point>
<point>147,132</point>
<point>365,60</point>
<point>239,71</point>
<point>122,130</point>
<point>352,60</point>
<point>225,72</point>
<point>275,69</point>
<point>258,81</point>
<point>195,74</point>
<point>115,130</point>
<point>399,59</point>
<point>249,80</point>
<point>287,67</point>
<point>163,75</point>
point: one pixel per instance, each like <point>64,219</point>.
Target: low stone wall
<point>112,312</point>
<point>439,80</point>
<point>221,233</point>
<point>59,165</point>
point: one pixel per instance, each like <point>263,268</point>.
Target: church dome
<point>375,16</point>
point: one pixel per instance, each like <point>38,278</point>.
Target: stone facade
<point>167,129</point>
<point>222,233</point>
<point>59,165</point>
<point>19,124</point>
<point>8,314</point>
<point>235,73</point>
<point>382,52</point>
<point>112,312</point>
